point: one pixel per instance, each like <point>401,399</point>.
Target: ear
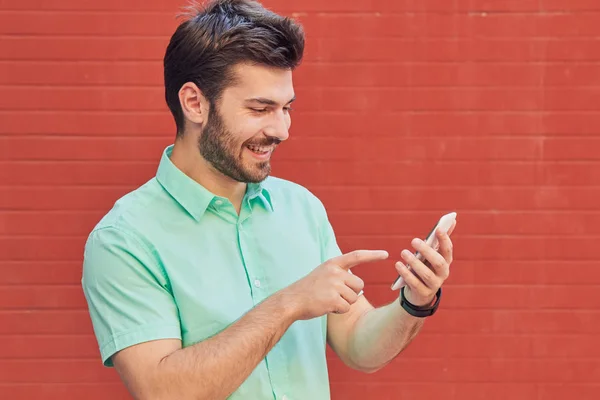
<point>193,103</point>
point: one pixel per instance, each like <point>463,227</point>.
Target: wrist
<point>417,301</point>
<point>286,306</point>
<point>419,311</point>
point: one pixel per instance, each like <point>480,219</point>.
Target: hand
<point>425,278</point>
<point>330,288</point>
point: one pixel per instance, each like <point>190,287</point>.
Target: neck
<point>187,158</point>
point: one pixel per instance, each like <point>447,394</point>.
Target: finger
<point>430,256</point>
<point>341,306</point>
<point>354,283</point>
<point>445,247</point>
<point>349,260</point>
<point>410,279</point>
<point>348,294</point>
<point>452,228</point>
<point>425,274</point>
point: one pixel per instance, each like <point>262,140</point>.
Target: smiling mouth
<point>260,150</point>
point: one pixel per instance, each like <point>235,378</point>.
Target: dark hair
<point>223,33</point>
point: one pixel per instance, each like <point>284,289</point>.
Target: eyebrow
<point>269,102</point>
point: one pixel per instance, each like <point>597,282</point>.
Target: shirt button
<point>284,397</point>
<point>257,283</point>
<point>219,202</point>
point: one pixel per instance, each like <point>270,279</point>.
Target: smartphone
<point>444,223</point>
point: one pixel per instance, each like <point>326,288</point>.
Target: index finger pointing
<point>352,259</point>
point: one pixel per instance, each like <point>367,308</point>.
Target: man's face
<point>251,119</point>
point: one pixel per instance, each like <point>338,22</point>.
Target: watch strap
<point>420,311</point>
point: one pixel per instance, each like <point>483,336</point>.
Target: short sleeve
<point>328,241</point>
<point>126,292</point>
<point>329,245</point>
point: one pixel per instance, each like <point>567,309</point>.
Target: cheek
<point>250,129</point>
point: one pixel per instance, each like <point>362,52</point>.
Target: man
<point>214,280</point>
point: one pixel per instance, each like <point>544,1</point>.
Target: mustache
<point>263,142</point>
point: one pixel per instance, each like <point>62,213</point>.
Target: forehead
<point>254,81</point>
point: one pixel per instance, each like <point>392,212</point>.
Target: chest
<point>218,270</point>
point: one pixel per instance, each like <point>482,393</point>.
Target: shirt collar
<point>192,196</point>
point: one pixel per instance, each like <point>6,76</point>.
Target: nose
<point>279,126</point>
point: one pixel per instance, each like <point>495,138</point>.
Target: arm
<point>215,367</point>
<point>211,369</point>
<point>142,340</point>
<point>368,338</point>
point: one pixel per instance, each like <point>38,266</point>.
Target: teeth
<point>259,149</point>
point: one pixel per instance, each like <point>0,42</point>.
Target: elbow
<point>368,370</point>
<point>362,367</point>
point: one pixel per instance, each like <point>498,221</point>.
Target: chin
<point>258,174</point>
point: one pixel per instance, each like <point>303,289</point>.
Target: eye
<point>288,109</point>
<point>260,110</point>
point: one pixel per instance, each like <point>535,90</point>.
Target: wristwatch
<point>420,311</point>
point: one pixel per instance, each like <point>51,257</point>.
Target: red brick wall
<point>406,110</point>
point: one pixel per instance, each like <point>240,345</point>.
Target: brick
<point>469,346</point>
<point>108,5</point>
<point>437,124</point>
<point>94,391</point>
<point>40,272</point>
<point>42,297</point>
<point>482,370</point>
<point>411,74</point>
<point>52,173</point>
<point>55,371</point>
<point>86,24</point>
<point>73,198</point>
<point>565,346</point>
<point>48,346</point>
<point>82,48</point>
<point>552,391</point>
<point>428,25</point>
<point>570,75</point>
<point>488,272</point>
<point>71,322</point>
<point>579,99</point>
<point>484,223</point>
<point>426,391</point>
<point>507,248</point>
<point>46,248</point>
<point>326,172</point>
<point>88,148</point>
<point>413,149</point>
<point>509,297</point>
<point>525,297</point>
<point>90,123</point>
<point>427,200</point>
<point>450,49</point>
<point>56,223</point>
<point>109,99</point>
<point>73,73</point>
<point>582,149</point>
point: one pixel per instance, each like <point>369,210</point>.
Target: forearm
<point>214,368</point>
<point>380,335</point>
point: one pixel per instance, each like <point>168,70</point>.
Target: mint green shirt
<point>172,260</point>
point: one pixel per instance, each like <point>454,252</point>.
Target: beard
<point>220,148</point>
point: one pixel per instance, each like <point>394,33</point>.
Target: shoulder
<point>129,217</point>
